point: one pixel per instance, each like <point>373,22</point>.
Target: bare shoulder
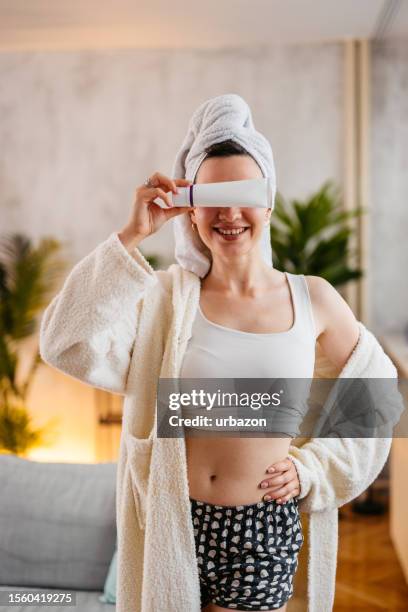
<point>336,325</point>
<point>325,298</point>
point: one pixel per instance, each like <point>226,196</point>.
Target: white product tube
<point>251,193</point>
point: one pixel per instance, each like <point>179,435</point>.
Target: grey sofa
<point>57,530</point>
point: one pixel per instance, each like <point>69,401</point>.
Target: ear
<point>191,212</point>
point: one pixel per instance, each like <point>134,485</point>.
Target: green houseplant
<point>28,276</point>
<point>312,237</point>
<point>154,260</point>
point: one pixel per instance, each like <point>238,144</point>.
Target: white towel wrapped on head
<point>225,117</point>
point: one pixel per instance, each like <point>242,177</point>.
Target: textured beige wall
<point>81,130</point>
<point>388,257</point>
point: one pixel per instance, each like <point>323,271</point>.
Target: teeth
<point>233,232</point>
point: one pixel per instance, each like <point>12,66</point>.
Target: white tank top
<point>215,351</point>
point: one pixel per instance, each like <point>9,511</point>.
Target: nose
<point>229,213</point>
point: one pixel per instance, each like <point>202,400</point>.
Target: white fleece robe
<point>119,325</point>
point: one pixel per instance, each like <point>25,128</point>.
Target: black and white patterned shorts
<point>247,555</point>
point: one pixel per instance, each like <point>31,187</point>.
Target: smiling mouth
<point>231,232</point>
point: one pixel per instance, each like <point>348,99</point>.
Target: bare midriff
<point>228,471</point>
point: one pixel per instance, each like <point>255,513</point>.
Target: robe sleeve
<point>88,329</point>
<point>333,471</point>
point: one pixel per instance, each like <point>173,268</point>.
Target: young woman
<point>253,321</point>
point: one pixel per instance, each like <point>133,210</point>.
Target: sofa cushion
<point>57,523</point>
<point>109,591</point>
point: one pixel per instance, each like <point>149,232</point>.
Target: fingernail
<point>267,497</point>
<point>270,470</point>
<point>279,500</point>
<point>264,485</point>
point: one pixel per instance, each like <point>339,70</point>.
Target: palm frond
<point>312,237</point>
<point>28,276</point>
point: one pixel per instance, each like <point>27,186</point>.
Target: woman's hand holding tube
<point>147,217</point>
<point>282,482</point>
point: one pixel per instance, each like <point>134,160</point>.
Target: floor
<point>369,577</point>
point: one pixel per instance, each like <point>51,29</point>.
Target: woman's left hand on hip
<point>282,483</point>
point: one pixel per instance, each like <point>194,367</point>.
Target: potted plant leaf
<point>312,237</point>
<point>28,276</point>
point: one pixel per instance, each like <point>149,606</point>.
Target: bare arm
<point>336,324</point>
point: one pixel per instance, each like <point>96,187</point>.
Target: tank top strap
<point>303,304</point>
